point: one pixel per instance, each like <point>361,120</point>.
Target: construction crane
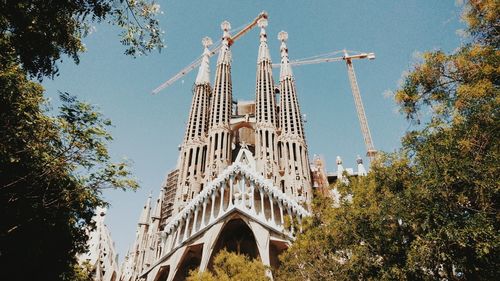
<point>363,122</point>
<point>197,62</point>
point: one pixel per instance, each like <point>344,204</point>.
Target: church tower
<point>194,149</point>
<point>294,162</point>
<point>242,182</point>
<point>219,131</point>
<point>265,111</point>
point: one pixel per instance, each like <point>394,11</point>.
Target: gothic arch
<point>162,274</point>
<point>236,236</point>
<point>190,261</point>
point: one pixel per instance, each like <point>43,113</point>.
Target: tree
<point>36,33</point>
<point>231,266</point>
<point>52,171</point>
<point>53,168</point>
<point>430,211</point>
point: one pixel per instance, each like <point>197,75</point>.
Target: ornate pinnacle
<point>206,42</point>
<point>262,23</point>
<point>339,160</point>
<point>359,160</point>
<point>204,71</point>
<point>285,70</point>
<point>283,36</point>
<point>225,25</point>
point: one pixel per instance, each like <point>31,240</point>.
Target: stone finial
<point>339,160</point>
<point>359,160</point>
<point>286,69</point>
<point>225,26</point>
<point>206,42</point>
<point>262,23</point>
<point>203,76</point>
<point>283,36</point>
<point>263,49</point>
<point>361,167</point>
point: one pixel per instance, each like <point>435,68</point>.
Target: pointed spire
<point>361,167</point>
<point>286,69</point>
<point>157,209</point>
<point>340,171</point>
<point>204,71</point>
<point>340,167</point>
<point>144,219</point>
<point>225,53</point>
<point>263,49</point>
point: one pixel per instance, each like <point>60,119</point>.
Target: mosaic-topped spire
<point>263,49</point>
<point>219,132</point>
<point>266,143</point>
<point>204,71</point>
<point>294,160</point>
<point>286,69</point>
<point>225,53</point>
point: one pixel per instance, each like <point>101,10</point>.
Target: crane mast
<point>363,121</point>
<point>371,152</point>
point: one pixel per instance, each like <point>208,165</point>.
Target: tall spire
<point>294,159</point>
<point>194,149</point>
<point>266,143</point>
<point>219,132</point>
<point>291,119</point>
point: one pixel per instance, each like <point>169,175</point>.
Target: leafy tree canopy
<point>52,171</point>
<point>231,266</point>
<point>35,34</point>
<point>53,168</point>
<point>430,211</point>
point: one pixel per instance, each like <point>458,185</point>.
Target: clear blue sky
<point>148,129</point>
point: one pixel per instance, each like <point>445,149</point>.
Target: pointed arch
<point>236,236</point>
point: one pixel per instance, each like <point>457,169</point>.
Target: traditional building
<point>243,179</point>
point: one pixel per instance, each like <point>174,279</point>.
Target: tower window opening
<point>294,153</point>
<point>267,139</point>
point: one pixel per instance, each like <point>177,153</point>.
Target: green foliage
<point>230,266</point>
<point>81,272</point>
<point>52,171</point>
<point>429,212</point>
<point>53,168</point>
<point>36,33</point>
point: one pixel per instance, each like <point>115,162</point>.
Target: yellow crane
<point>197,62</point>
<point>371,152</point>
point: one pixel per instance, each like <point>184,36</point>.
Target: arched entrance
<point>236,237</point>
<point>190,261</point>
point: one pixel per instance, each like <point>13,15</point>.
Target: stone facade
<point>243,180</point>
